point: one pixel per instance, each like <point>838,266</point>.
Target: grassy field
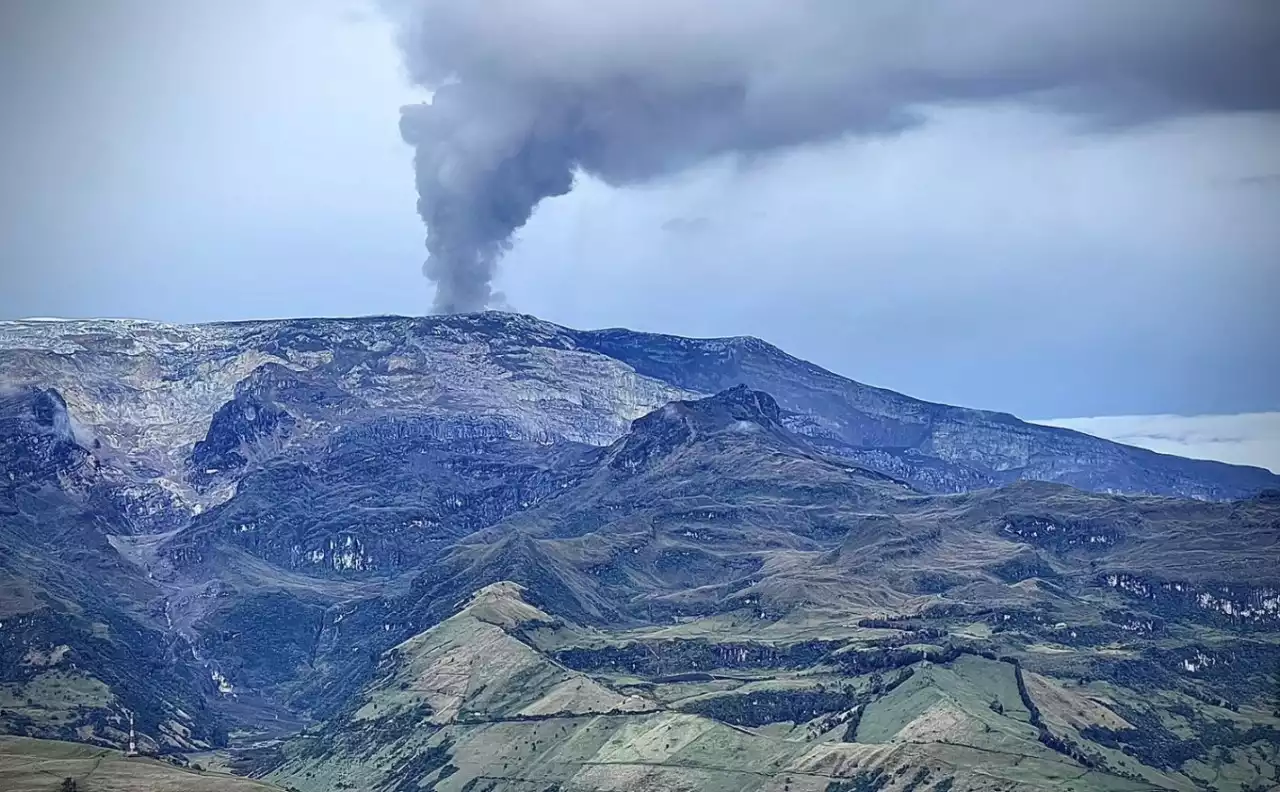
<point>28,765</point>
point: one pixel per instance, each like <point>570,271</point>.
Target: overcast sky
<point>194,161</point>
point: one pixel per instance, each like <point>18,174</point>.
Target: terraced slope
<point>473,704</point>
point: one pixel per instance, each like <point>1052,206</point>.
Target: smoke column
<point>529,93</point>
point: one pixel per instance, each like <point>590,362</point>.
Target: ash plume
<point>530,93</point>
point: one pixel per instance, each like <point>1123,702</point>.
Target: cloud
<point>1243,439</point>
<point>990,258</point>
<point>530,93</point>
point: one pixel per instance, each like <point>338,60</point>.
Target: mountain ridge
<point>939,448</point>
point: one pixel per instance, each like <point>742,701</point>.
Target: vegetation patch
<point>773,706</point>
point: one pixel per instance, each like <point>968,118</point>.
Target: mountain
<point>487,553</point>
<point>190,406</point>
<point>936,447</point>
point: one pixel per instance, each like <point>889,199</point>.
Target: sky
<point>194,161</point>
<point>1242,439</point>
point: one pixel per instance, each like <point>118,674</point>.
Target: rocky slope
<point>191,406</point>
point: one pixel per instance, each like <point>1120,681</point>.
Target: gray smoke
<point>529,93</point>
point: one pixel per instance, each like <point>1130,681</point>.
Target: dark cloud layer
<point>530,92</point>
